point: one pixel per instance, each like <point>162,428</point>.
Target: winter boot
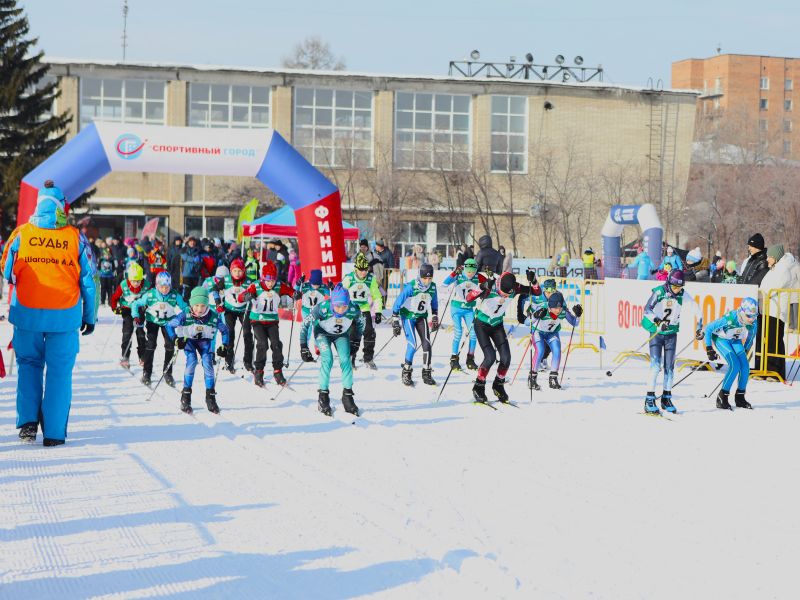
<point>427,376</point>
<point>125,363</point>
<point>722,400</point>
<point>186,400</point>
<point>532,383</point>
<point>471,365</point>
<point>145,379</point>
<point>324,402</point>
<point>554,380</point>
<point>211,401</point>
<point>169,379</point>
<point>230,368</point>
<point>371,364</point>
<point>52,442</point>
<point>277,375</point>
<point>650,407</point>
<point>499,390</point>
<point>348,403</point>
<point>27,433</point>
<point>407,370</point>
<point>666,402</point>
<point>740,401</point>
<point>248,367</point>
<point>479,391</point>
<point>258,377</point>
<point>454,364</point>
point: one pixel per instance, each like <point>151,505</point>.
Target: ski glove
<point>540,313</point>
<point>531,274</point>
<point>181,343</point>
<point>87,328</point>
<point>220,308</point>
<point>222,352</point>
<point>248,296</point>
<point>434,322</point>
<point>487,285</point>
<point>378,318</point>
<point>138,322</point>
<point>457,271</point>
<point>711,353</point>
<point>298,295</point>
<point>661,324</point>
<point>305,354</point>
<point>395,325</point>
<point>577,310</point>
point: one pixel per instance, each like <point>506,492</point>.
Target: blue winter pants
<point>662,344</point>
<point>547,339</point>
<point>738,366</point>
<point>411,327</point>
<point>206,358</point>
<point>467,315</point>
<point>342,343</point>
<point>45,395</point>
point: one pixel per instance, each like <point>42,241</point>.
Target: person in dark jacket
<point>191,266</point>
<point>174,259</point>
<point>755,267</point>
<point>488,256</point>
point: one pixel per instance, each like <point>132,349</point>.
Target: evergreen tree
<point>29,133</point>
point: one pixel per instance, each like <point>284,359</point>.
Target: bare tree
<point>314,53</point>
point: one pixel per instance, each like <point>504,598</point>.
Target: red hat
<point>268,271</point>
<point>237,263</point>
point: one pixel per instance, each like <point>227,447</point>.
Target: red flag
<point>150,228</point>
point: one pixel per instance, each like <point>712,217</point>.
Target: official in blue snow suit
<point>53,272</point>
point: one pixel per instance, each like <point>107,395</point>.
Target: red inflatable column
<point>320,236</point>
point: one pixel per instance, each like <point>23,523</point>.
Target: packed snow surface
<point>577,495</point>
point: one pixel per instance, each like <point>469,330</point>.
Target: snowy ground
<point>575,496</point>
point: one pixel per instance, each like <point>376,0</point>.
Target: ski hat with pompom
<point>340,296</point>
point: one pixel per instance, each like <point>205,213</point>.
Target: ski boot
<point>532,383</point>
<point>52,442</point>
<point>27,433</point>
<point>471,364</point>
<point>125,363</point>
<point>145,379</point>
<point>186,400</point>
<point>427,376</point>
<point>348,403</point>
<point>499,390</point>
<point>211,401</point>
<point>371,364</point>
<point>722,400</point>
<point>553,381</point>
<point>740,401</point>
<point>650,407</point>
<point>258,377</point>
<point>407,370</point>
<point>277,375</point>
<point>324,403</point>
<point>479,391</point>
<point>666,402</point>
<point>169,379</point>
<point>248,367</point>
<point>454,364</point>
<point>230,368</point>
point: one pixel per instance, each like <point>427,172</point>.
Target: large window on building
<point>122,101</point>
<point>221,105</point>
<point>432,131</point>
<point>333,128</point>
<point>509,133</point>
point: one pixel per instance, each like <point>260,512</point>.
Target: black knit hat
<point>757,241</point>
<point>363,242</point>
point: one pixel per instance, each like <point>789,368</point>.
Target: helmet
<point>268,271</point>
<point>507,283</point>
<point>361,263</point>
<point>222,272</point>
<point>748,308</point>
<point>315,277</point>
<point>471,263</point>
<point>340,296</point>
<point>556,300</point>
<point>164,278</point>
<point>134,272</point>
<point>426,270</point>
<point>549,284</point>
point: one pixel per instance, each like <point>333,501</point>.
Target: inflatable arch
<point>652,234</point>
<point>102,148</point>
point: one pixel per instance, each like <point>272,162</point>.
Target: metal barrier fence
<point>778,341</point>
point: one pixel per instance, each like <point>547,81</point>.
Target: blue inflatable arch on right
<point>646,217</point>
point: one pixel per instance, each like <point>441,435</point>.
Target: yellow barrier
<point>776,343</point>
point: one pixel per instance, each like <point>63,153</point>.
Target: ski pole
<point>522,360</point>
<point>246,315</point>
<point>285,385</point>
<point>384,346</point>
<point>714,390</point>
<point>291,335</point>
<point>647,341</point>
<point>166,369</point>
<point>110,333</point>
<point>444,313</point>
<point>463,341</point>
<point>566,358</point>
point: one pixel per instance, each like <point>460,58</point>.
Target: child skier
<point>537,301</point>
<point>496,296</point>
<point>547,333</point>
<point>330,323</point>
<point>229,290</point>
<point>733,334</point>
<point>411,308</point>
<point>128,291</point>
<point>364,290</point>
<point>662,316</point>
<point>310,293</point>
<point>195,332</point>
<point>466,279</point>
<point>155,308</point>
<point>264,299</point>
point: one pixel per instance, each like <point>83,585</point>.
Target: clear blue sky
<point>633,40</point>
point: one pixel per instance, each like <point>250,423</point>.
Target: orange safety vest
<point>47,267</point>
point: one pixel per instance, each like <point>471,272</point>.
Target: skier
<point>157,260</point>
<point>537,301</point>
<point>330,323</point>
<point>662,318</point>
<point>364,290</point>
<point>412,307</point>
<point>229,291</point>
<point>264,300</point>
<point>128,291</point>
<point>733,334</point>
<point>52,268</point>
<point>155,308</point>
<point>496,296</point>
<point>548,333</point>
<point>310,293</point>
<point>466,279</point>
<point>194,332</point>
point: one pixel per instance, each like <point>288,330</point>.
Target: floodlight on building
<point>548,105</point>
<point>544,71</point>
<point>529,57</point>
<point>566,76</point>
<point>579,60</point>
<point>475,55</point>
<point>560,59</point>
